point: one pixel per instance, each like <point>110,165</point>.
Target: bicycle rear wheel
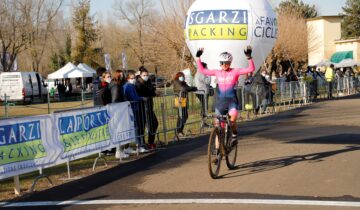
<point>214,154</point>
<point>231,156</point>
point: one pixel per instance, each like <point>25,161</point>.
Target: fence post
<point>48,102</point>
<point>163,114</point>
<point>6,107</point>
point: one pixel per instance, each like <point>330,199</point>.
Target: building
<point>324,41</point>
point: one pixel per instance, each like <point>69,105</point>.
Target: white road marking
<point>185,201</point>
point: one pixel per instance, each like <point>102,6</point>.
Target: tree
<point>87,34</point>
<point>298,7</point>
<point>42,26</point>
<point>351,21</point>
<point>136,13</point>
<point>21,23</point>
<point>59,59</point>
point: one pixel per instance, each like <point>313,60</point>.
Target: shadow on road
<point>280,162</point>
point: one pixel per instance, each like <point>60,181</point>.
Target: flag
<point>123,58</point>
<point>107,61</point>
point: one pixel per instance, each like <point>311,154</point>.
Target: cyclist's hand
<point>199,52</point>
<point>248,52</point>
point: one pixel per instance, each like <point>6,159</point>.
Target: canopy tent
<point>85,67</point>
<point>339,56</point>
<point>324,63</point>
<point>70,71</point>
<point>346,63</point>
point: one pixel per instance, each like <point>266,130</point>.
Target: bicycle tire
<point>214,154</point>
<point>231,156</point>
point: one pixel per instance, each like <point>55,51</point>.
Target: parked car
<point>22,86</point>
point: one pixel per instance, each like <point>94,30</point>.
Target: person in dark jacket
<point>136,101</point>
<point>96,84</point>
<point>103,95</point>
<point>144,88</point>
<point>181,89</point>
<point>116,87</point>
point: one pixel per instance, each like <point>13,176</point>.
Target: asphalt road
<point>308,155</point>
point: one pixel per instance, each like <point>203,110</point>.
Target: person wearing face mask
<point>181,89</point>
<point>266,97</point>
<point>116,87</point>
<point>144,88</point>
<point>136,105</point>
<point>226,101</point>
<point>103,94</point>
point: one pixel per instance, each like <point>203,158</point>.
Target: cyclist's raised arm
<point>251,67</point>
<point>201,68</point>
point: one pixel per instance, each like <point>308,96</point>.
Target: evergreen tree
<point>299,7</point>
<point>67,50</point>
<point>351,21</point>
<point>54,62</point>
<point>86,34</point>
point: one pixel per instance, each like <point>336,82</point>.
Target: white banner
<point>27,144</point>
<point>90,131</point>
<point>82,133</point>
<point>122,126</point>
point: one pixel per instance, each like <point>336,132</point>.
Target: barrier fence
<point>160,119</point>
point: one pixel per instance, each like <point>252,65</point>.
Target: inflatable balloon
<point>231,25</point>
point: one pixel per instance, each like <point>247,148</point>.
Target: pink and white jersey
<point>226,80</point>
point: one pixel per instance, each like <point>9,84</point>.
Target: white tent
<point>324,63</point>
<point>70,71</point>
<point>85,67</point>
<point>346,63</point>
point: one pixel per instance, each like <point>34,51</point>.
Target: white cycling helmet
<point>225,57</point>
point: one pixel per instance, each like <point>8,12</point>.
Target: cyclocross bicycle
<point>220,146</point>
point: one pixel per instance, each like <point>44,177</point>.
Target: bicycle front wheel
<point>214,154</point>
<point>231,156</point>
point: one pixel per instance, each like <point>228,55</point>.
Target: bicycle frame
<point>224,126</point>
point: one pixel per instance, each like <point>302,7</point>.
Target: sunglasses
<point>225,63</point>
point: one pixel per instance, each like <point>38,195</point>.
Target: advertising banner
<point>82,132</point>
<point>26,144</point>
<point>122,123</point>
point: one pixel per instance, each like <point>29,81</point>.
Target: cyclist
<point>227,78</point>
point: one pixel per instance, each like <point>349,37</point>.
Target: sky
<point>324,7</point>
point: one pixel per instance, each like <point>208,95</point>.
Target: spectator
<point>103,95</point>
<point>96,83</point>
<point>268,91</point>
<point>249,96</point>
<point>202,82</point>
<point>68,88</point>
<point>282,81</point>
<point>144,88</point>
<point>116,87</point>
<point>293,83</point>
<point>117,96</point>
<point>52,92</point>
<point>136,101</point>
<point>330,76</point>
<point>339,81</point>
<point>181,89</point>
<point>61,90</point>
